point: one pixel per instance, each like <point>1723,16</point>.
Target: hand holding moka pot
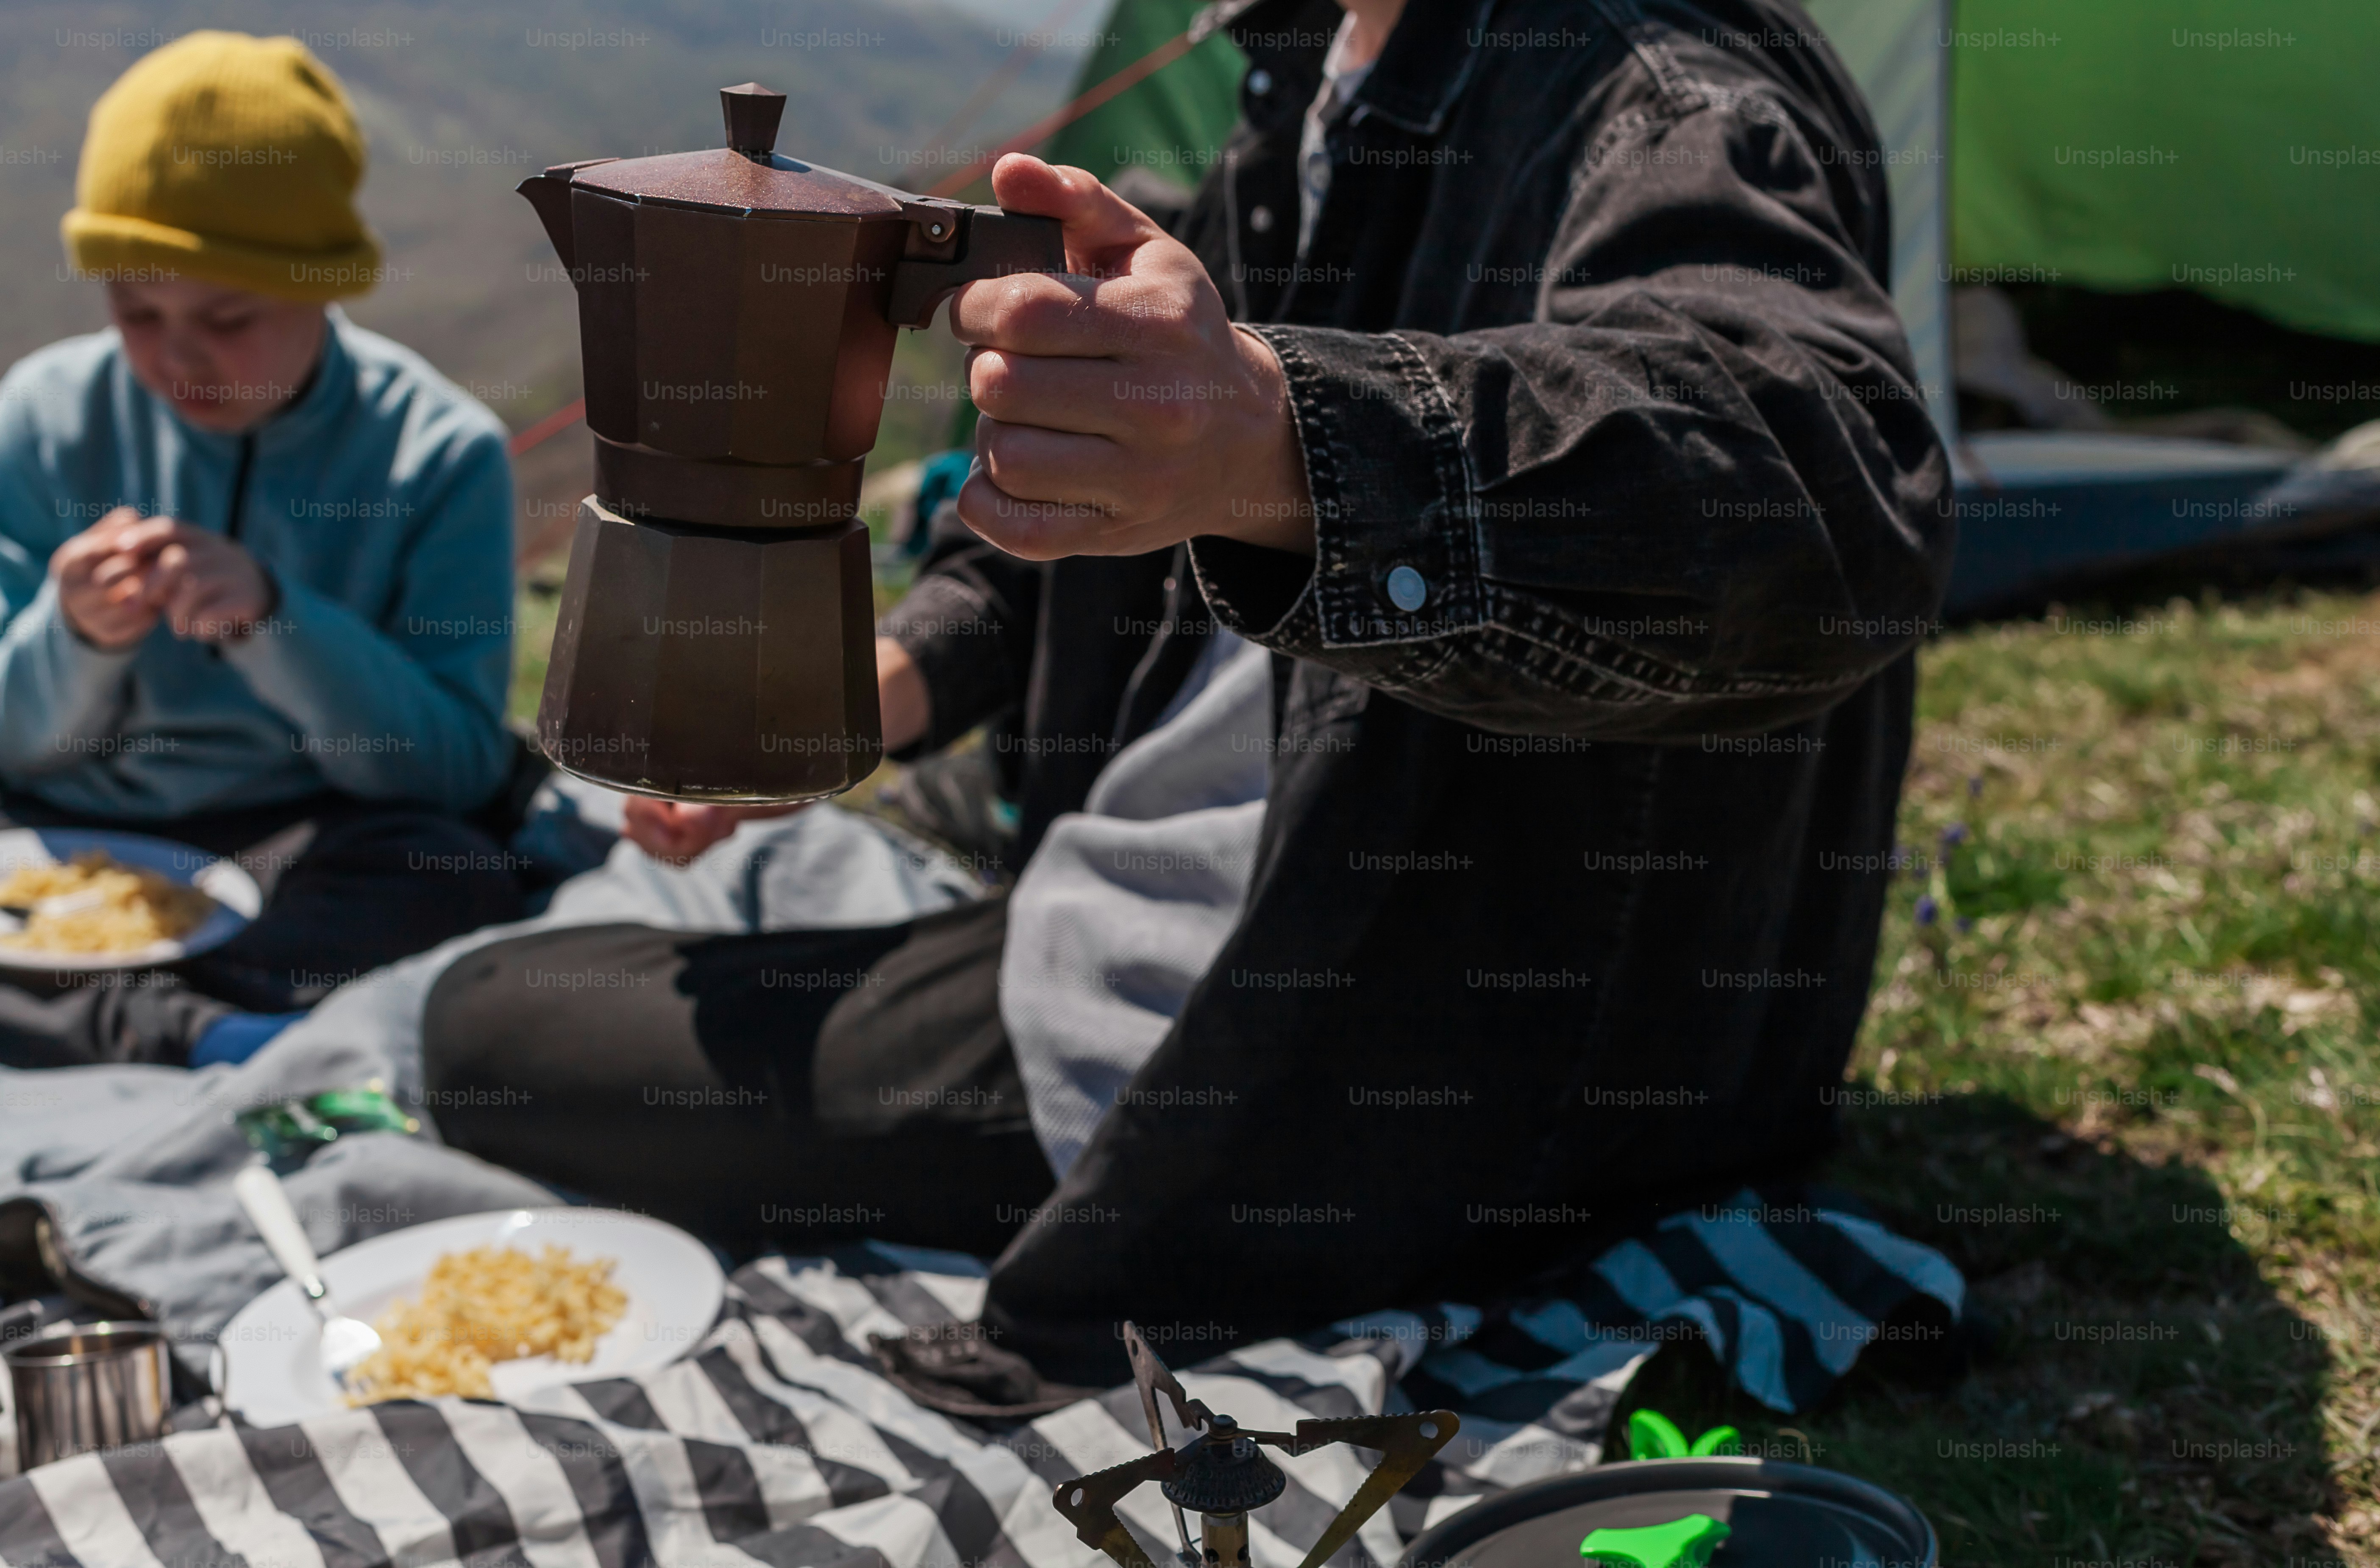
<point>736,316</point>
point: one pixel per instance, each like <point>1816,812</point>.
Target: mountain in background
<point>461,99</point>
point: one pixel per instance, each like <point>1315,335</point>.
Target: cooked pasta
<point>93,904</point>
<point>488,1305</point>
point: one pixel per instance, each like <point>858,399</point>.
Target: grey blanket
<point>129,1168</point>
<point>778,1442</point>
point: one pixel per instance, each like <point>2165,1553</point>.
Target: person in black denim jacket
<point>1590,506</point>
<point>1577,476</point>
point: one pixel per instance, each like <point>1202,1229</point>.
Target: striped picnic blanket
<point>778,1442</point>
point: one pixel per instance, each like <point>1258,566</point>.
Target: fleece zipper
<point>236,517</point>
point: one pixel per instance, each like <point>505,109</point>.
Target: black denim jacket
<point>1593,707</point>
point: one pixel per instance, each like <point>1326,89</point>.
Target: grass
<point>2122,1076</point>
<point>2124,1079</point>
<point>535,610</point>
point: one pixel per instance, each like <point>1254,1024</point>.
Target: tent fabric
<point>2231,147</point>
<point>1173,123</point>
<point>2222,146</point>
<point>1895,50</point>
<point>1170,125</point>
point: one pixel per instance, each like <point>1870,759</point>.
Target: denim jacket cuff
<point>1266,595</point>
<point>1395,526</point>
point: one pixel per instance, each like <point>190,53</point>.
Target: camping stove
<point>1222,1474</point>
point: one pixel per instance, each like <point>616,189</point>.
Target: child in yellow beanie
<point>255,562</point>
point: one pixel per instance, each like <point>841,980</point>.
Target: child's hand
<point>120,576</point>
<point>209,587</point>
<point>676,831</point>
<point>103,578</point>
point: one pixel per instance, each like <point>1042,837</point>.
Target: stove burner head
<point>1224,1473</point>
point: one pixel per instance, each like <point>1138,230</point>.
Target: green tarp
<point>2226,146</point>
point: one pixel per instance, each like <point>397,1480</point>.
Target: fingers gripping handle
<point>987,242</point>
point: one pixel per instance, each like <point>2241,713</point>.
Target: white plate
<point>234,891</point>
<point>273,1370</point>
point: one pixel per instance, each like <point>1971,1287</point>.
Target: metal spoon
<point>346,1341</point>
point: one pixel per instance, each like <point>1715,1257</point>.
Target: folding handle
<point>1407,1442</point>
<point>990,243</point>
<point>1089,1502</point>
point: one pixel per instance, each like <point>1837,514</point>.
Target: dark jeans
<point>347,887</point>
<point>794,1087</point>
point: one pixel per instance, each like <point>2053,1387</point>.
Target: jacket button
<point>1261,218</point>
<point>1408,590</point>
<point>1260,81</point>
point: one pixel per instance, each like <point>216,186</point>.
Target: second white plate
<point>234,892</point>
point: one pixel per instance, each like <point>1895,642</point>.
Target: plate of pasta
<point>490,1306</point>
<point>82,900</point>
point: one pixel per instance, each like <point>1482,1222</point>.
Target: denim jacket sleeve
<point>1699,492</point>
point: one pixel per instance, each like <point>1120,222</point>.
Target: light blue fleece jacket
<point>381,502</point>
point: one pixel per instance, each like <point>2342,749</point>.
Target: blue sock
<point>235,1037</point>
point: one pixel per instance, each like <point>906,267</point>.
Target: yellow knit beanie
<point>229,159</point>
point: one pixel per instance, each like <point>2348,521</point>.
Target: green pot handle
<point>1652,1435</point>
<point>1680,1543</point>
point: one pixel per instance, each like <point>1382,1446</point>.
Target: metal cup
<point>86,1386</point>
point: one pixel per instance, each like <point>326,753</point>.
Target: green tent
<point>2228,146</point>
<point>1173,123</point>
<point>2110,145</point>
<point>1170,124</point>
<point>1893,48</point>
<point>2232,146</point>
